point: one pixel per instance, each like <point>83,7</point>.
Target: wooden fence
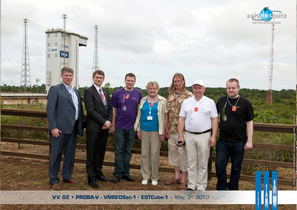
<point>257,127</point>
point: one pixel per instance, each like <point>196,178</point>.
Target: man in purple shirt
<point>125,103</point>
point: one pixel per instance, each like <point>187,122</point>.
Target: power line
<point>81,23</point>
<point>46,20</point>
<point>37,25</point>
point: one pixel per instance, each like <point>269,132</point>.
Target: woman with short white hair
<point>150,125</point>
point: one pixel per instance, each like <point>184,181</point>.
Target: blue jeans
<point>225,150</point>
<point>123,142</point>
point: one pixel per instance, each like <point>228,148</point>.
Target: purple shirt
<point>126,108</point>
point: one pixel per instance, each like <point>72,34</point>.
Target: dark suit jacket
<point>97,114</point>
<point>61,110</point>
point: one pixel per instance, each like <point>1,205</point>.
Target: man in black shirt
<point>236,132</point>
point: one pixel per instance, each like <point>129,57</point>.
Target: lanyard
<point>233,107</point>
<point>127,94</point>
<point>175,95</point>
<point>235,102</point>
<point>151,104</point>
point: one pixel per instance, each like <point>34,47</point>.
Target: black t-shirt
<point>233,123</point>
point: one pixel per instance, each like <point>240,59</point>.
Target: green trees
<point>281,111</point>
<point>17,89</point>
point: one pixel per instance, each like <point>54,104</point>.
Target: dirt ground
<point>31,174</point>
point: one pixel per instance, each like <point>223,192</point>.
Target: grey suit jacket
<point>61,110</point>
<point>97,114</point>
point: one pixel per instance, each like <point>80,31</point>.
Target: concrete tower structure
<point>62,49</point>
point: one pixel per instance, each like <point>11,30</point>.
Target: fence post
<point>50,147</point>
<point>210,163</point>
<point>294,152</point>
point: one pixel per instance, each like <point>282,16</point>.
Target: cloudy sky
<point>212,40</point>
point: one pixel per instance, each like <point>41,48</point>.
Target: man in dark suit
<point>65,118</point>
<point>99,110</point>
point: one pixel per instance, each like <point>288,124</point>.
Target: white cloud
<point>211,40</point>
<point>185,18</point>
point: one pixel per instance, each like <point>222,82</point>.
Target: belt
<point>200,132</point>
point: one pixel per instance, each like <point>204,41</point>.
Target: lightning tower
<point>96,54</point>
<point>64,35</point>
<point>25,72</point>
<point>270,70</point>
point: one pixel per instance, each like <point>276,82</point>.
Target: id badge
<point>233,108</point>
<point>149,117</point>
<point>127,96</point>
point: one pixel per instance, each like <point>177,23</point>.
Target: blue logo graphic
<point>266,15</point>
<point>64,54</point>
<point>263,197</point>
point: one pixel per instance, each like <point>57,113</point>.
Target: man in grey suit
<point>65,118</point>
<point>99,110</point>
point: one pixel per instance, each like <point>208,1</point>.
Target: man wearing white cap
<point>199,117</point>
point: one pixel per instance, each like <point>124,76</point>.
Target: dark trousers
<point>66,143</point>
<point>96,145</point>
<point>123,142</point>
<point>225,150</point>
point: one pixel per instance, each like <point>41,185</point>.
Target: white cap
<point>198,82</point>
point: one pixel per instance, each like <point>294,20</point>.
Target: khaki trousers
<point>150,153</point>
<point>176,155</point>
<point>197,152</point>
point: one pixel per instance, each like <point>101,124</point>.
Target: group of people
<point>188,120</point>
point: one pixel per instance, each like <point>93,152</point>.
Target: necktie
<point>101,95</point>
<point>72,96</point>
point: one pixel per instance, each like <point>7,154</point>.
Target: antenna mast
<point>64,39</point>
<point>270,70</point>
<point>96,53</point>
<point>25,72</point>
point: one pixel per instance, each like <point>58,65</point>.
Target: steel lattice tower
<point>270,70</point>
<point>25,72</point>
<point>96,53</point>
<point>63,62</point>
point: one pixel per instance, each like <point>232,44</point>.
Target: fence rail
<point>279,128</point>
